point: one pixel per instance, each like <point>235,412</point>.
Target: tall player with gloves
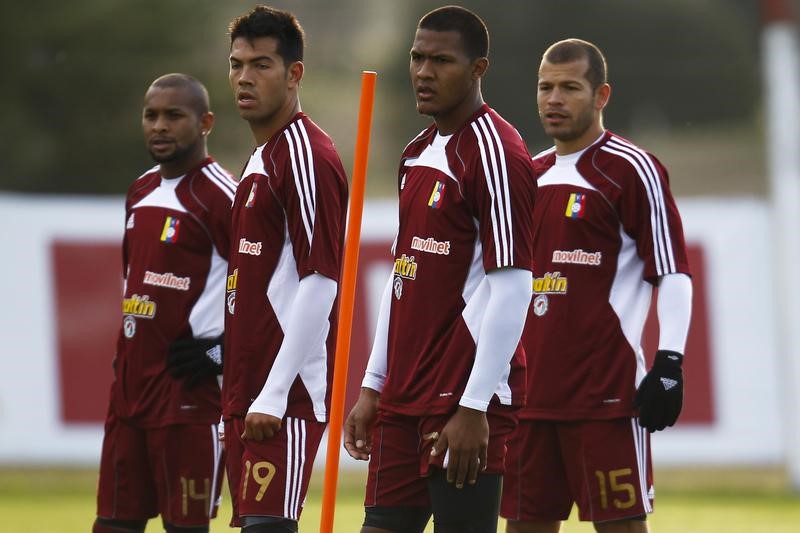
<point>607,232</point>
<point>161,453</point>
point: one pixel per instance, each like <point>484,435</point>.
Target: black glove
<point>660,394</point>
<point>195,359</point>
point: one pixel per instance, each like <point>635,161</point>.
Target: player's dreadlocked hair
<point>264,21</point>
<point>473,31</point>
<point>570,50</point>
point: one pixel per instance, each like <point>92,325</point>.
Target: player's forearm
<point>674,307</point>
<point>375,375</point>
<point>499,334</point>
<point>306,332</point>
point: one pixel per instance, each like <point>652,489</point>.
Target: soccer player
<point>445,372</point>
<point>607,232</point>
<point>286,251</point>
<point>161,452</point>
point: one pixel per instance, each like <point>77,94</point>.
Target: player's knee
<point>545,526</point>
<point>471,509</point>
<point>395,519</point>
<point>268,524</point>
<point>634,524</point>
<point>110,525</point>
<point>172,528</point>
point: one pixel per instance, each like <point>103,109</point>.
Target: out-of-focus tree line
<point>74,74</point>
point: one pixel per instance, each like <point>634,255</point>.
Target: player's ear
<point>206,123</point>
<point>601,96</point>
<point>479,67</point>
<point>295,73</point>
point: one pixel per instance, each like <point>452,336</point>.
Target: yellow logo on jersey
<point>406,267</point>
<point>550,283</point>
<point>140,306</point>
<point>232,279</point>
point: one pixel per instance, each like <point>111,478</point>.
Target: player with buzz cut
<point>607,232</point>
<point>161,453</point>
<point>286,252</point>
<point>446,373</point>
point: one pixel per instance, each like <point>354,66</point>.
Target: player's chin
<point>427,108</point>
<point>163,157</point>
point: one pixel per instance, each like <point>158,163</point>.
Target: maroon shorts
<point>602,465</point>
<point>270,477</point>
<point>401,458</point>
<point>175,471</point>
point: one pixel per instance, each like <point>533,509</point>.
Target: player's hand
<point>359,424</point>
<point>660,394</point>
<point>221,433</point>
<point>195,359</point>
<point>466,435</point>
<point>260,426</point>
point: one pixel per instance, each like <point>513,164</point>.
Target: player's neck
<point>576,145</point>
<point>448,123</point>
<point>181,167</point>
<point>264,131</point>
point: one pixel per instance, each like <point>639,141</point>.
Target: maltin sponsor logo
<point>139,306</point>
<point>550,283</point>
<point>249,248</point>
<point>577,257</point>
<point>167,280</point>
<point>430,245</point>
<point>405,267</point>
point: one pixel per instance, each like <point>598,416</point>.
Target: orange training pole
<point>347,297</point>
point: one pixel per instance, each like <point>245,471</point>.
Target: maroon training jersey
<point>606,228</point>
<point>465,209</point>
<point>174,263</point>
<point>288,222</point>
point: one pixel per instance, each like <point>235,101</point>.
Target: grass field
<point>37,500</point>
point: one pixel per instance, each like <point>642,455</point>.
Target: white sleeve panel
<point>674,311</point>
<point>375,375</point>
<point>306,329</point>
<point>207,316</point>
<point>499,335</point>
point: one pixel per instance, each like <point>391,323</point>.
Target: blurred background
<point>708,86</point>
<point>686,78</point>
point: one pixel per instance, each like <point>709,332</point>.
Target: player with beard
<point>161,453</point>
<point>607,233</point>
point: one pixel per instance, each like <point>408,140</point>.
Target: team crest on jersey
<point>169,234</point>
<point>230,287</point>
<point>139,306</point>
<point>540,304</point>
<point>129,223</point>
<point>251,198</point>
<point>437,195</point>
<point>576,205</point>
<point>550,283</point>
<point>397,285</point>
<point>129,327</point>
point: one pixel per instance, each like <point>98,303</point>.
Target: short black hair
<point>469,25</point>
<point>570,50</point>
<point>198,95</point>
<point>265,21</point>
